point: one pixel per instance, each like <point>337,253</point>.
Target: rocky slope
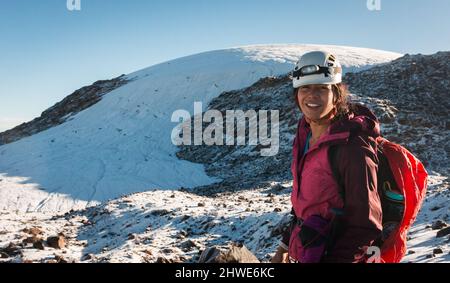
<point>409,95</point>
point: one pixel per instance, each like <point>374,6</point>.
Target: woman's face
<point>316,101</point>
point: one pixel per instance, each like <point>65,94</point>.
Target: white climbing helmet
<point>317,67</point>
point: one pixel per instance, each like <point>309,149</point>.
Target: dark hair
<point>340,99</point>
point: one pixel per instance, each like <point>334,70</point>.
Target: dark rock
<point>160,212</point>
<point>167,260</point>
<point>167,250</point>
<point>188,245</point>
<point>163,260</point>
<point>439,224</point>
<point>32,240</point>
<point>11,250</point>
<point>182,234</point>
<point>60,259</point>
<point>278,187</point>
<point>39,245</point>
<point>201,204</point>
<point>56,242</point>
<point>443,232</point>
<point>88,257</point>
<point>230,254</point>
<point>209,255</point>
<point>437,251</point>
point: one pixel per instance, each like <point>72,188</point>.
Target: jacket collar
<point>359,119</point>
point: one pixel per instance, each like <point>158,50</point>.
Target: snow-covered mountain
<point>121,144</point>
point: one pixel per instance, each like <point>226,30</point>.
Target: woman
<point>336,206</point>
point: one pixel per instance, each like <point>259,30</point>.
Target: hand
<point>281,256</point>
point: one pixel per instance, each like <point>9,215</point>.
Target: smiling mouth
<point>312,105</point>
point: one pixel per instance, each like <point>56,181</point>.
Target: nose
<point>315,92</point>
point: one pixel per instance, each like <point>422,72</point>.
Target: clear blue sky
<point>46,51</point>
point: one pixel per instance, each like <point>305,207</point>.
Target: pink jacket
<point>316,192</point>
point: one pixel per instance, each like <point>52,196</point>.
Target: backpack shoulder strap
<point>333,156</point>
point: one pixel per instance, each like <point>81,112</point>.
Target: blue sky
<point>47,52</point>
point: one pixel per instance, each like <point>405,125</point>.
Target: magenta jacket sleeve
<point>361,223</point>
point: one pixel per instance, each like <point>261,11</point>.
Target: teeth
<point>312,105</point>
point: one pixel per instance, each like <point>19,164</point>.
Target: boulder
<point>57,242</point>
<point>230,254</point>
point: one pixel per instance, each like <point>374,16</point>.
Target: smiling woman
<point>317,202</point>
<point>349,197</point>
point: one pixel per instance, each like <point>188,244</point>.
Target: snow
<point>352,58</point>
<point>423,237</point>
<point>122,144</point>
<point>143,227</point>
<point>161,221</point>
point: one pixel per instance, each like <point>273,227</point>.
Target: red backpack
<point>402,184</point>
